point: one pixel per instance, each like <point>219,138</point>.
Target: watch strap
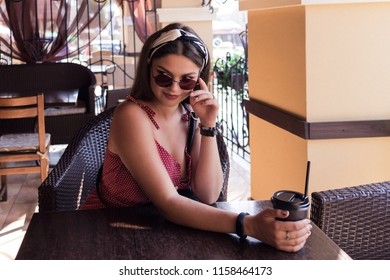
<point>240,225</point>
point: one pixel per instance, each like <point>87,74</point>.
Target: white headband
<point>174,34</point>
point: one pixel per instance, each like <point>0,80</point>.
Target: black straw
<point>307,177</point>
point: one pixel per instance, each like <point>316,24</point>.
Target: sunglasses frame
<point>160,84</point>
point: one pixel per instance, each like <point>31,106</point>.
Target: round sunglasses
<point>164,80</point>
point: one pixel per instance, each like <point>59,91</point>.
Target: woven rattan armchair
<point>75,175</point>
<point>356,218</point>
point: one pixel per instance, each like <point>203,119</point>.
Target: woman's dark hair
<point>141,88</point>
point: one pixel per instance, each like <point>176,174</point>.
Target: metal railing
<point>231,89</point>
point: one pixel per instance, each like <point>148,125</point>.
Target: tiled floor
<point>16,212</point>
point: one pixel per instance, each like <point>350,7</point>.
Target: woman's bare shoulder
<point>129,112</point>
<point>128,118</point>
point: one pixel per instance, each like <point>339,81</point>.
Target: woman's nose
<point>175,85</point>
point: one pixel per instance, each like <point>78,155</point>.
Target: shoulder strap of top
<point>147,110</point>
<point>191,126</point>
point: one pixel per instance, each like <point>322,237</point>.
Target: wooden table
<point>142,233</point>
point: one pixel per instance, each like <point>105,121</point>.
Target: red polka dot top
<point>118,187</point>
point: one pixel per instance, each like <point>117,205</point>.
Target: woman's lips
<point>171,96</point>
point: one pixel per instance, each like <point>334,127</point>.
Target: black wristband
<point>240,225</point>
<point>208,131</point>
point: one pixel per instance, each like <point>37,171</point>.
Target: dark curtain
<point>50,30</point>
<point>138,11</point>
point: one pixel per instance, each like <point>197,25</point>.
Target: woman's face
<point>172,79</point>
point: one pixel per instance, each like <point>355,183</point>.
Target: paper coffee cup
<point>295,202</point>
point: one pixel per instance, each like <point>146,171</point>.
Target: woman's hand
<point>283,235</point>
<point>204,105</point>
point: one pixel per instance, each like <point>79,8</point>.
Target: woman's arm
<point>206,166</point>
<point>131,136</point>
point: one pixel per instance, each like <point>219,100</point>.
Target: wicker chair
<point>356,218</point>
<point>75,175</point>
<point>225,163</point>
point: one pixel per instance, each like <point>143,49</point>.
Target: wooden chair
<point>356,218</point>
<point>76,173</point>
<point>17,151</point>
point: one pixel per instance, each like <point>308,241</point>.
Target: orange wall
<point>278,77</point>
<point>323,63</point>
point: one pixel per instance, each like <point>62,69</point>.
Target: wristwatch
<point>240,225</point>
<point>208,131</point>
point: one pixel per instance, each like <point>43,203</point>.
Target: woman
<point>147,158</point>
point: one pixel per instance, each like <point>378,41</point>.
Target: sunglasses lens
<point>163,80</point>
<point>187,84</point>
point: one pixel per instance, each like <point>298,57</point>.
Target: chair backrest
<point>114,96</point>
<point>76,173</point>
<point>25,147</point>
<point>49,78</point>
<point>225,164</point>
<point>356,218</point>
<point>26,107</point>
